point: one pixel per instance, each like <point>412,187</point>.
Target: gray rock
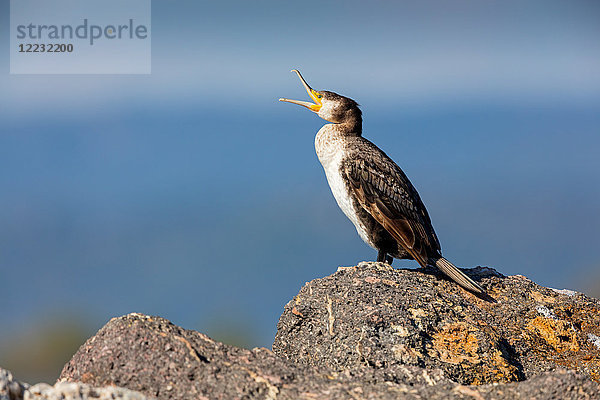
<point>376,317</point>
<point>155,357</point>
<point>80,391</point>
<point>10,389</point>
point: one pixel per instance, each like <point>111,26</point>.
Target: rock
<point>80,391</point>
<point>155,357</point>
<point>10,389</point>
<point>374,316</point>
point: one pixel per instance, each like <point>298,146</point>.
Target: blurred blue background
<point>192,194</point>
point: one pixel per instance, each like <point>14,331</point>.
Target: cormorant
<point>372,190</point>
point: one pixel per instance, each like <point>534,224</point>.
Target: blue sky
<point>193,194</point>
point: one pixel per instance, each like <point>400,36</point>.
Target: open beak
<point>312,93</point>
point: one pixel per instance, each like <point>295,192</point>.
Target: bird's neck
<point>351,125</point>
<point>331,141</point>
<point>331,138</point>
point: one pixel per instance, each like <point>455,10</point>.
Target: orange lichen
<point>566,338</point>
<point>296,312</point>
<point>558,334</point>
<point>501,369</point>
<point>456,343</point>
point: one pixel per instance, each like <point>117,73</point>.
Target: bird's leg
<point>383,257</point>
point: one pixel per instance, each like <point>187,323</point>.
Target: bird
<point>372,190</point>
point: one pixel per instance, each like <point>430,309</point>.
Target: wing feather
<point>384,191</point>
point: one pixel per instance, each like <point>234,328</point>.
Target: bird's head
<point>330,106</point>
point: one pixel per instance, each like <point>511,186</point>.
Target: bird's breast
<point>331,153</point>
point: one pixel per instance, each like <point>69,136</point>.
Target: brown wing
<point>385,192</point>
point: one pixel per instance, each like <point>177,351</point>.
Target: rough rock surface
<point>155,357</point>
<point>11,389</point>
<point>376,317</point>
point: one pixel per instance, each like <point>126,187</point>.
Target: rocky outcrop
<point>374,332</point>
<point>369,332</point>
<point>155,357</point>
<point>11,389</point>
<point>378,317</point>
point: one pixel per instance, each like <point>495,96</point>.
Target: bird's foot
<point>383,257</point>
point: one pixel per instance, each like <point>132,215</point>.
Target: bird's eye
<point>320,96</point>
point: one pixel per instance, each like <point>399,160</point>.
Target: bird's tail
<point>458,276</point>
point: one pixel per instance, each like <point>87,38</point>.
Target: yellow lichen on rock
<point>502,369</point>
<point>560,335</point>
<point>456,343</point>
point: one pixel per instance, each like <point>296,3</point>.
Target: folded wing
<point>385,192</point>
